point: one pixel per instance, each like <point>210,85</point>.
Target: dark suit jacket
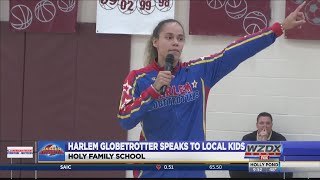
<point>243,174</point>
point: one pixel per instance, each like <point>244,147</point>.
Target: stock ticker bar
<point>149,167</point>
<point>253,167</point>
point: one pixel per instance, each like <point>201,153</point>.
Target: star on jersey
<point>194,84</point>
<point>126,101</point>
<point>127,87</point>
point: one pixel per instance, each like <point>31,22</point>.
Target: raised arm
<point>215,67</point>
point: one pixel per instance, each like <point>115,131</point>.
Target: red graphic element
<point>264,157</point>
<point>228,17</point>
<point>310,30</point>
<point>43,15</point>
<point>158,166</point>
<point>247,154</point>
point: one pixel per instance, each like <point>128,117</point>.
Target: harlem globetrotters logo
<point>144,7</point>
<point>44,11</point>
<point>252,21</point>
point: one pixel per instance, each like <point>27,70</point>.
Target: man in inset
<point>264,132</point>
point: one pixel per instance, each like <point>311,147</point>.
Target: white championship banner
<point>132,16</point>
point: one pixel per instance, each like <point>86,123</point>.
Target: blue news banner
<point>53,155</point>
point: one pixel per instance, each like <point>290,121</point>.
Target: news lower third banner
<point>255,157</point>
<point>175,152</point>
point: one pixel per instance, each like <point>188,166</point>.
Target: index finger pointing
<point>300,7</point>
